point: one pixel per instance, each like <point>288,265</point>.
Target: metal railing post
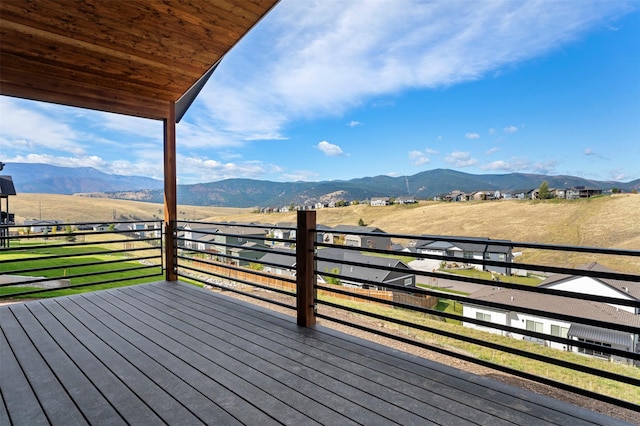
<point>305,275</point>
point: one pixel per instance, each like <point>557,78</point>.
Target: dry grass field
<point>599,222</point>
<point>72,208</point>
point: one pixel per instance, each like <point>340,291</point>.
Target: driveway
<point>444,283</point>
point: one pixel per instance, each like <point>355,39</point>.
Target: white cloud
<point>588,151</point>
<point>460,159</point>
<point>330,150</point>
<point>492,150</point>
<point>300,175</point>
<point>321,58</point>
<point>354,123</point>
<point>492,131</point>
<point>196,169</point>
<point>510,129</point>
<point>472,136</point>
<point>418,158</point>
<point>25,126</point>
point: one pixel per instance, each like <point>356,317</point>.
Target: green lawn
<point>474,273</point>
<point>75,265</point>
<point>564,375</point>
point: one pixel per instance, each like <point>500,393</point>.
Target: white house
<point>379,201</point>
<point>611,313</point>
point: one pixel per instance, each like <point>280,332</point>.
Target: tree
<point>361,222</point>
<point>333,280</point>
<point>69,230</point>
<point>543,191</point>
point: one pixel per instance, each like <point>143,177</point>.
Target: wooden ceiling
<point>132,57</point>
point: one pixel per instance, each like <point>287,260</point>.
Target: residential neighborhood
<point>613,313</point>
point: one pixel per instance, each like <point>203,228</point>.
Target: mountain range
<point>44,178</point>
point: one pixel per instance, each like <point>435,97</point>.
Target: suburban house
<point>406,200</point>
<point>345,234</point>
<point>381,277</point>
<point>247,253</point>
<point>41,226</point>
<point>279,232</point>
<point>280,261</point>
<point>214,240</point>
<point>617,314</point>
<point>469,251</point>
<point>379,201</point>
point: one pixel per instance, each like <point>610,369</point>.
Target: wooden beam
<point>170,194</point>
<point>305,268</point>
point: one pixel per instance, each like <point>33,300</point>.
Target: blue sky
<point>324,90</point>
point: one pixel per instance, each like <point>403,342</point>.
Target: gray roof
<point>284,257</point>
<point>598,334</point>
<point>558,304</point>
<point>6,186</point>
<point>355,228</point>
<point>629,288</point>
<point>479,247</point>
<point>362,272</point>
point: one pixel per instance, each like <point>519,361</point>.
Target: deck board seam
<point>219,365</point>
<point>393,390</point>
<point>551,407</point>
<point>241,338</point>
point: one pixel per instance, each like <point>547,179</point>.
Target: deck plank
<point>56,404</point>
<point>176,354</point>
<point>15,389</point>
<point>284,404</point>
<point>398,404</point>
<point>94,407</point>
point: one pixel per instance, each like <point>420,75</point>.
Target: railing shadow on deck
<point>583,342</point>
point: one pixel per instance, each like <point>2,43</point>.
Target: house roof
<point>358,271</point>
<point>464,246</point>
<point>630,289</point>
<point>6,186</point>
<point>597,334</point>
<point>546,302</point>
<point>344,229</point>
<point>284,257</point>
<point>127,57</point>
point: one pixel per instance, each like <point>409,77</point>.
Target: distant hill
<point>424,185</point>
<point>48,179</point>
<point>42,178</point>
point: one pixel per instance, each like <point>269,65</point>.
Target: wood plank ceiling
<point>132,57</point>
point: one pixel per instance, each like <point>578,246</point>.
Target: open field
<point>72,208</point>
<point>609,221</point>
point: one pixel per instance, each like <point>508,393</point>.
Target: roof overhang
<point>135,57</point>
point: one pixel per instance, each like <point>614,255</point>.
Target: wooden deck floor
<point>175,354</point>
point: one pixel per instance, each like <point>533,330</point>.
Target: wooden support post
<point>170,194</point>
<point>305,266</point>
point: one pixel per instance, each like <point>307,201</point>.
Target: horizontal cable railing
<point>61,258</point>
<point>210,253</point>
<point>574,347</point>
<point>593,334</point>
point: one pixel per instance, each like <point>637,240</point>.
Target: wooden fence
<point>276,281</point>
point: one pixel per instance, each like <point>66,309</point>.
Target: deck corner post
<point>170,196</point>
<point>305,268</point>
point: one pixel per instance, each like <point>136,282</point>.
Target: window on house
<point>407,282</point>
<point>534,326</point>
<point>594,352</point>
<point>468,255</point>
<point>556,330</point>
<point>483,317</point>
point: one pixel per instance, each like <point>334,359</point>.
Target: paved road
<point>444,283</point>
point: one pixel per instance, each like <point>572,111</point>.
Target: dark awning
<point>596,334</point>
